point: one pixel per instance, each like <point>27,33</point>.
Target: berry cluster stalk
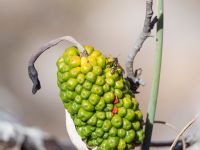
<point>156,78</point>
<point>32,71</point>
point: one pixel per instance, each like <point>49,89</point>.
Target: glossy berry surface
<point>95,93</point>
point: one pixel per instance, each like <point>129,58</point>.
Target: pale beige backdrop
<point>111,26</point>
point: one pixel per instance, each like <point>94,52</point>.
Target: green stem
<point>156,78</point>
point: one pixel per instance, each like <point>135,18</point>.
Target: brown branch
<point>148,26</point>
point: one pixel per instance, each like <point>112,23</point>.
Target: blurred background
<point>112,26</point>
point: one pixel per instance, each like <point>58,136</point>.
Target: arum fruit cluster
<point>99,100</point>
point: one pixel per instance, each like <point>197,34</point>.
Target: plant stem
<point>156,78</point>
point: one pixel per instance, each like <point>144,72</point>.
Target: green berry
<point>116,121</point>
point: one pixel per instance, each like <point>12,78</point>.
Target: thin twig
<point>164,144</point>
<point>182,145</point>
<point>183,130</point>
<point>171,126</point>
<point>31,68</point>
<point>148,26</point>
